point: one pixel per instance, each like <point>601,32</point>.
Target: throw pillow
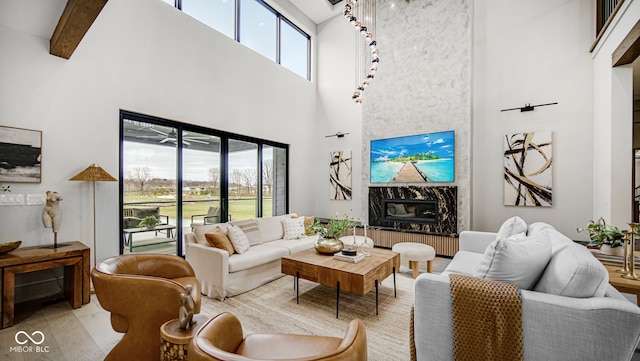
<point>270,228</point>
<point>293,228</point>
<point>519,262</point>
<point>511,226</point>
<point>572,271</point>
<point>200,232</point>
<point>219,239</point>
<point>238,239</point>
<point>250,229</point>
<point>308,221</point>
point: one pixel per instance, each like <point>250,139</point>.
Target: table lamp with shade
<point>94,173</point>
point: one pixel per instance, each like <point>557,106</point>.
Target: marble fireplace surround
<point>447,198</point>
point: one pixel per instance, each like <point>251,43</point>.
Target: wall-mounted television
<point>413,159</point>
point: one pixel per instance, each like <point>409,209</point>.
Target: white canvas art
<point>340,175</point>
<point>528,169</point>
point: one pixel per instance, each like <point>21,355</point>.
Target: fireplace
<point>431,210</point>
<point>410,211</point>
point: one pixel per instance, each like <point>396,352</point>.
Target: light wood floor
<point>82,334</point>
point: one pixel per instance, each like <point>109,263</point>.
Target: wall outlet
<point>36,199</point>
<point>11,199</point>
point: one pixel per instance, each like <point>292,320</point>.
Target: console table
<point>74,257</point>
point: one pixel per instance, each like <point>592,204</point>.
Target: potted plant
<point>149,221</point>
<point>603,236</point>
<point>329,233</point>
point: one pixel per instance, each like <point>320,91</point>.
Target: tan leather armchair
<point>221,338</point>
<point>142,291</point>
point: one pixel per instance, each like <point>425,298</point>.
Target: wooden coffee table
<point>358,278</point>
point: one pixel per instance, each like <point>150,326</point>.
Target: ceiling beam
<point>77,17</point>
<point>629,48</point>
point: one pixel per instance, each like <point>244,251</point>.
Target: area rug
<point>272,308</point>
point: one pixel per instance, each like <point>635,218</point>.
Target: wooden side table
<point>622,284</point>
<point>174,341</point>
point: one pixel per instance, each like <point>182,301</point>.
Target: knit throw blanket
<point>487,320</point>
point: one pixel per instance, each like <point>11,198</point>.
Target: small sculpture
<point>51,214</point>
<point>186,309</point>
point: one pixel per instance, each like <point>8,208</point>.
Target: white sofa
<point>222,275</point>
<point>571,312</point>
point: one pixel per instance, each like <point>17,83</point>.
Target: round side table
<point>174,341</point>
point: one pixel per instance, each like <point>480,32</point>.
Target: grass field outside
<point>242,208</point>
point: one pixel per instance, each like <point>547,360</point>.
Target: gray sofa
<point>571,313</point>
<point>222,275</point>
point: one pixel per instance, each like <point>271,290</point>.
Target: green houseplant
<point>328,234</point>
<point>149,221</point>
<point>336,227</point>
<point>602,234</point>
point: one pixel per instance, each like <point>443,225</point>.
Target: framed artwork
<point>340,175</point>
<point>528,169</point>
<point>20,155</point>
<point>414,159</point>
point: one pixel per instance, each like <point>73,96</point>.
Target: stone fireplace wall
<point>447,208</point>
<point>423,85</point>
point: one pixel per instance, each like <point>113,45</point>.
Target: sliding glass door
<point>149,171</point>
<point>184,176</point>
<point>243,179</point>
<point>201,196</point>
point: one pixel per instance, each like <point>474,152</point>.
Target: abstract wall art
<point>528,169</point>
<point>20,155</point>
<point>340,175</point>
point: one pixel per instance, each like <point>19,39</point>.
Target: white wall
<point>147,57</point>
<point>337,113</point>
<point>613,118</point>
<point>533,52</point>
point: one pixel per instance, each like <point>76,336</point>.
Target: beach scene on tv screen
<point>416,158</point>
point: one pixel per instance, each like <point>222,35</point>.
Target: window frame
<point>279,19</point>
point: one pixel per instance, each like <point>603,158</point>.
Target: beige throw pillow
<point>250,229</point>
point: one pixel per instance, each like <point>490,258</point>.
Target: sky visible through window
<point>217,14</point>
<point>257,29</point>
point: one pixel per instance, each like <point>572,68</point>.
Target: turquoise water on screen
<point>382,172</point>
<point>440,170</point>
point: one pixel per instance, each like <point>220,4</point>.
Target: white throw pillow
<point>238,239</point>
<point>511,226</point>
<point>293,228</point>
<point>519,262</point>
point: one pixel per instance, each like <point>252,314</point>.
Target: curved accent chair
<point>142,291</point>
<point>221,338</point>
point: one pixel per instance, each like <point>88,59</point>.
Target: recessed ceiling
<point>319,10</point>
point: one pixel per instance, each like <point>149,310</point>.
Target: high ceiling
<point>319,10</point>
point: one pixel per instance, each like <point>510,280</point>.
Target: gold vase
<point>328,245</point>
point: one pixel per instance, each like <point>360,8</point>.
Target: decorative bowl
<point>9,246</point>
<point>328,245</point>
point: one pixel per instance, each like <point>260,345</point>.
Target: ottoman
<point>414,253</point>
